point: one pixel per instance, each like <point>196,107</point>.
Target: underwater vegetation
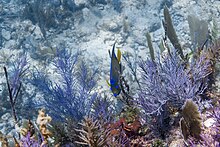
<point>161,85</point>
<point>71,96</point>
<point>14,82</point>
<point>175,98</point>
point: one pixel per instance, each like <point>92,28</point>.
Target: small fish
<point>115,72</point>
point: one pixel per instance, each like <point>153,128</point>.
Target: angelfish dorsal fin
<point>108,83</point>
<point>119,55</point>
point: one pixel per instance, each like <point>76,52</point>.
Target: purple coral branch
<point>12,102</point>
<point>171,80</point>
<point>14,86</point>
<point>71,95</point>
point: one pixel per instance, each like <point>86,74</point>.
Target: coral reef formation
<point>170,98</point>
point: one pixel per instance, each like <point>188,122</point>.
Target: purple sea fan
<point>73,93</point>
<point>199,71</point>
<point>102,109</point>
<point>13,80</point>
<point>216,115</point>
<point>20,67</point>
<point>170,80</point>
<point>151,95</point>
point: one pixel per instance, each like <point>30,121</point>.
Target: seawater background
<point>40,26</point>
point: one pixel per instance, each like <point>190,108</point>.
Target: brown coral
<point>28,128</point>
<point>3,140</point>
<point>191,121</point>
<point>92,133</point>
<point>42,121</point>
<point>171,33</point>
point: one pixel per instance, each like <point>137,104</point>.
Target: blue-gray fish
<point>115,72</point>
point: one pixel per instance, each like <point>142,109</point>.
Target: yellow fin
<point>108,83</point>
<point>119,55</point>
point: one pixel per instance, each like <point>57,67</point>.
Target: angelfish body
<point>115,72</point>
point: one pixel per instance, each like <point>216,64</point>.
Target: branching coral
<point>42,121</point>
<point>161,124</point>
<point>212,138</point>
<point>159,83</point>
<point>167,83</point>
<point>102,109</point>
<point>14,81</point>
<point>213,53</point>
<point>93,133</point>
<point>72,95</point>
<point>97,133</point>
<point>171,80</point>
